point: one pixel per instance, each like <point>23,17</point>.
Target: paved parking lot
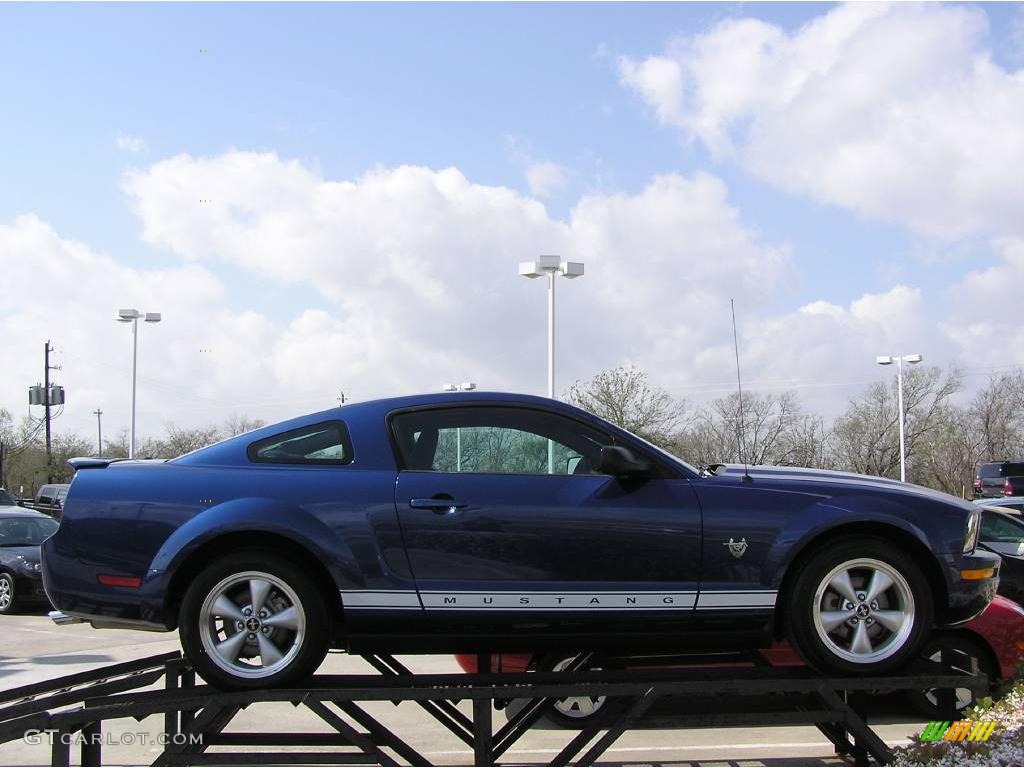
<point>33,649</point>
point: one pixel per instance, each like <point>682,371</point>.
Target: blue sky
<point>490,90</point>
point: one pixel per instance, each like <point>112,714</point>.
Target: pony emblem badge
<point>736,548</point>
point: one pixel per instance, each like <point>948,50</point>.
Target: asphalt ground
<point>33,649</point>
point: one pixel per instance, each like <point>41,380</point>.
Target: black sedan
<point>21,533</point>
<point>1002,532</point>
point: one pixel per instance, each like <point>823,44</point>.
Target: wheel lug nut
<point>855,620</point>
<point>861,595</point>
<point>252,635</point>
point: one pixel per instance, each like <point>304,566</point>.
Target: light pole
<point>900,360</point>
<point>132,316</point>
<point>466,386</point>
<point>551,266</point>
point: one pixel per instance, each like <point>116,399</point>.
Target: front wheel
<point>253,620</point>
<point>860,606</point>
<point>7,596</point>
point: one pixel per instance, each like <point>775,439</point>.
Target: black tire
<point>839,627</point>
<point>217,622</point>
<point>574,712</point>
<point>8,594</point>
<point>965,654</point>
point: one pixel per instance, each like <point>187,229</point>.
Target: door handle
<point>436,504</point>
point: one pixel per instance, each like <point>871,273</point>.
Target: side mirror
<point>620,462</point>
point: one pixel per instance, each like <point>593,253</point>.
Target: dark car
<point>50,499</point>
<point>999,478</point>
<point>21,533</point>
<point>6,499</point>
<point>1002,532</point>
<point>482,521</point>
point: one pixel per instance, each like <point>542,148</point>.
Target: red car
<point>993,643</point>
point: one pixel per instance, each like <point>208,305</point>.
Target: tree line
<point>946,439</point>
<point>25,466</point>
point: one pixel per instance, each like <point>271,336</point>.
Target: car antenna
<point>739,386</point>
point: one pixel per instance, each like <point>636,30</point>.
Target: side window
<point>496,440</point>
<point>324,443</point>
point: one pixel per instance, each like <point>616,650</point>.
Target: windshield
<point>1001,528</point>
<point>26,531</point>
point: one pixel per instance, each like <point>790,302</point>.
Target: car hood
<point>1005,548</point>
<point>28,553</point>
<point>790,474</point>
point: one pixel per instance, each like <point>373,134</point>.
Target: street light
<point>133,316</point>
<point>900,360</point>
<point>466,386</point>
<point>551,266</point>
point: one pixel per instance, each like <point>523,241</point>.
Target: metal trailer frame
<point>79,704</point>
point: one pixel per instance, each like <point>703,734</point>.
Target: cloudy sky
<point>325,198</point>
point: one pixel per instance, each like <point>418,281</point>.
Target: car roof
<point>22,512</point>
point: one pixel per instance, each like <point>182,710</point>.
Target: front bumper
<point>968,597</point>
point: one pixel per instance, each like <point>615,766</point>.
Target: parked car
<point>991,644</point>
<point>1013,504</point>
<point>21,533</point>
<point>1002,532</point>
<point>7,499</point>
<point>999,478</point>
<point>50,499</point>
<point>483,521</point>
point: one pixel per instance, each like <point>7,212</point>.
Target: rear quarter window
<point>327,442</point>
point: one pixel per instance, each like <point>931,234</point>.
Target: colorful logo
<point>958,730</point>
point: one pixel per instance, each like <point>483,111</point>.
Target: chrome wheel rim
<point>577,707</point>
<point>252,624</point>
<point>864,611</point>
<point>6,593</point>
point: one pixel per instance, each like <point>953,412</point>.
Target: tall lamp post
<point>551,266</point>
<point>133,316</point>
<point>900,360</point>
<point>466,386</point>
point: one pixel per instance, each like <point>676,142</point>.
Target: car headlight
<point>973,529</point>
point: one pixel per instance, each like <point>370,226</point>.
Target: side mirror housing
<point>620,462</point>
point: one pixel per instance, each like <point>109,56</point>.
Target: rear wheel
<point>860,606</point>
<point>573,711</point>
<point>253,620</point>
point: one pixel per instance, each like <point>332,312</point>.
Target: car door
<point>501,510</point>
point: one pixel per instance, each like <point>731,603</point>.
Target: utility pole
<point>99,432</point>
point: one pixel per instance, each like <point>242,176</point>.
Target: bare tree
<point>865,439</point>
<point>625,397</point>
<point>239,423</point>
<point>773,430</point>
<point>997,414</point>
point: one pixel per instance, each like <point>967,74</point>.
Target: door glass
<point>496,440</point>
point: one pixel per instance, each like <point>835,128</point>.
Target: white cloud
<point>984,318</point>
<point>545,177</point>
<point>131,144</point>
<point>416,268</point>
<point>896,112</point>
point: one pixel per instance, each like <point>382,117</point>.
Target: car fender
<point>252,515</point>
<point>819,519</point>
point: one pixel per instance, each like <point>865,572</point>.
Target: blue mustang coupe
<point>493,522</point>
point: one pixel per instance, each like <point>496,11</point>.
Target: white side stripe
<point>465,600</point>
